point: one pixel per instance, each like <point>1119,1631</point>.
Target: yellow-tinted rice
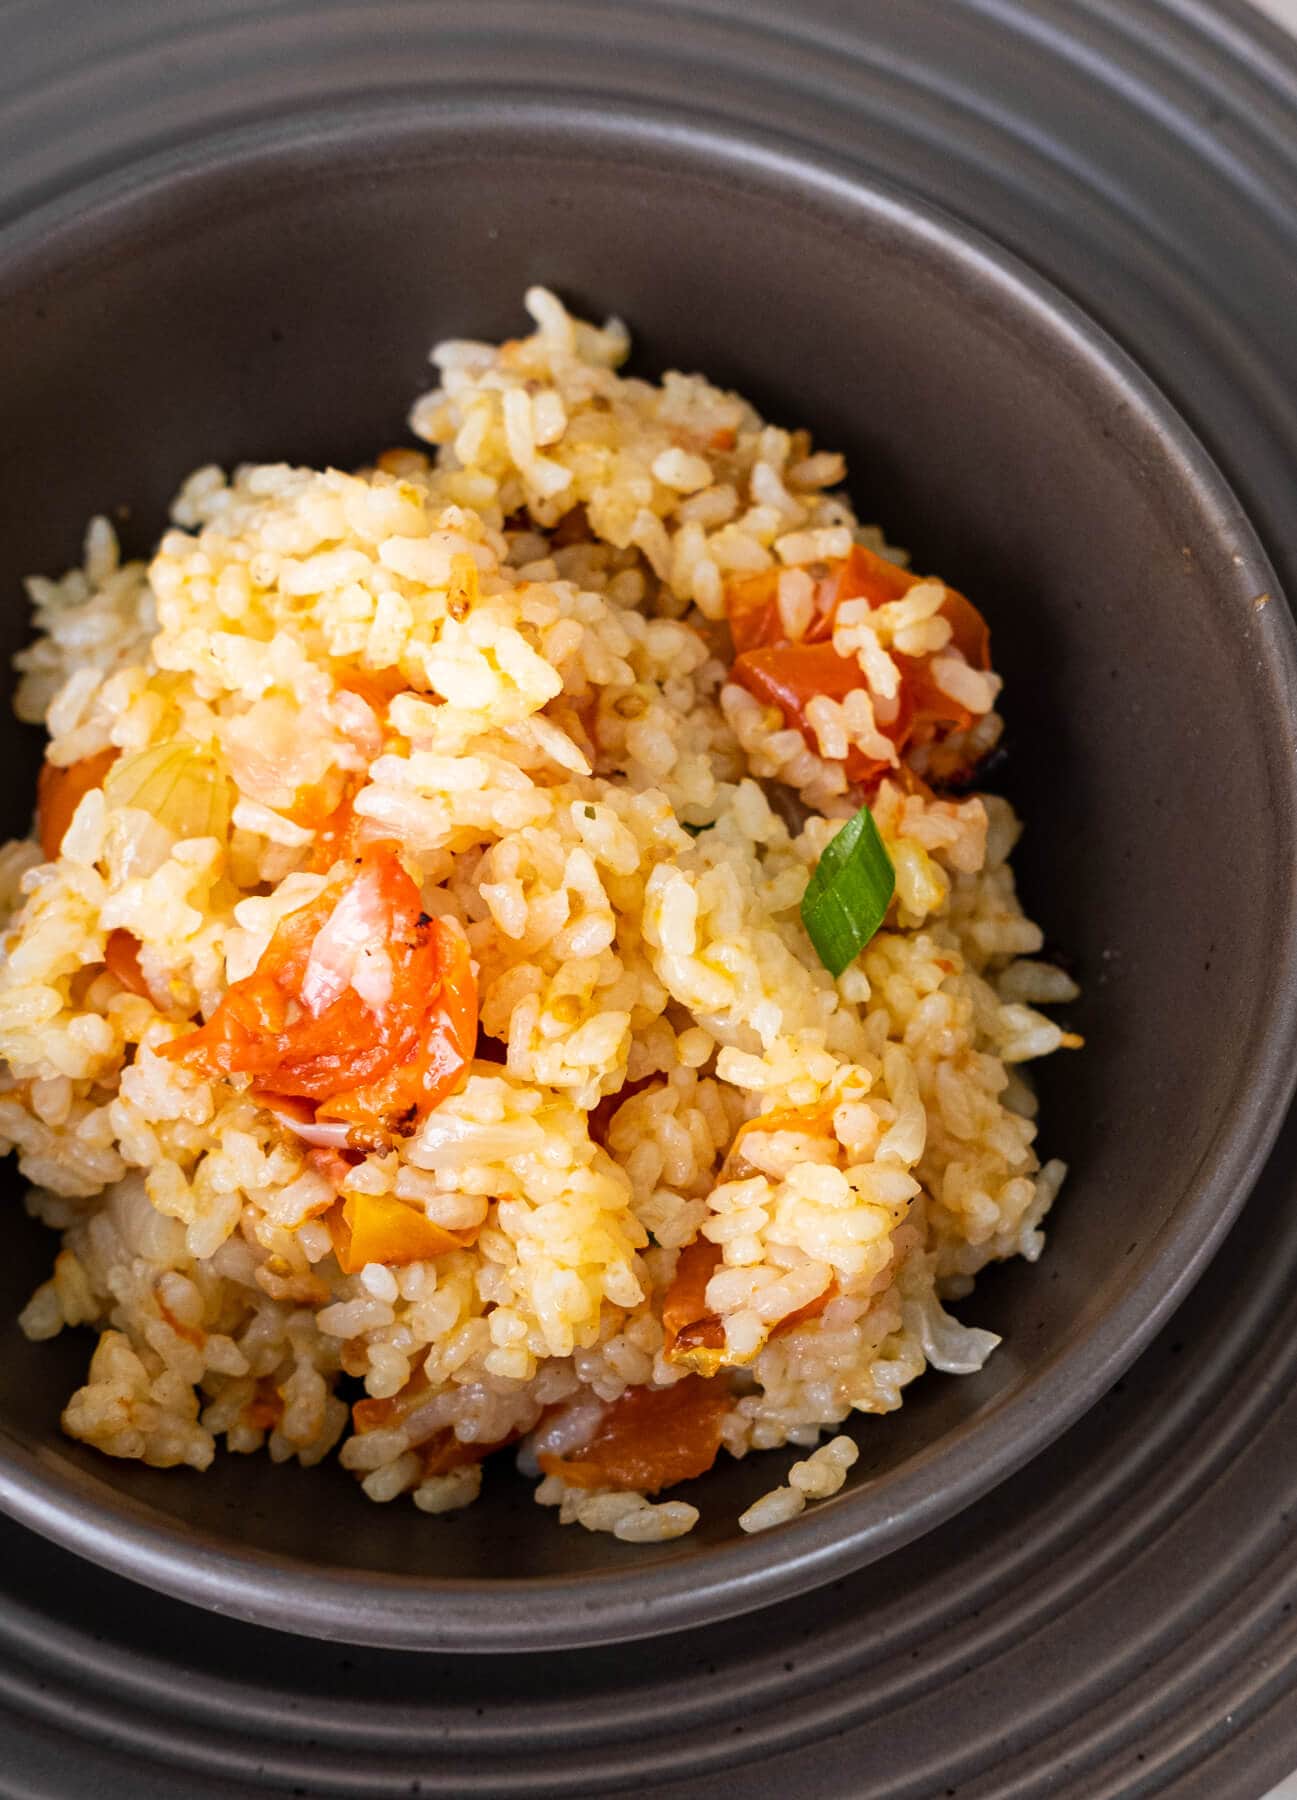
<point>613,946</point>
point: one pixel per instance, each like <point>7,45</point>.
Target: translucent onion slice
<point>182,785</point>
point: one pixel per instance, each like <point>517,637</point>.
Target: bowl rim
<point>86,1515</point>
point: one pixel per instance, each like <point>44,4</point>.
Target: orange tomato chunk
<point>804,1314</point>
<point>59,792</point>
<point>375,1228</point>
<point>789,675</point>
<point>695,1337</point>
<point>439,1061</point>
<point>380,1058</point>
<point>817,1121</point>
<point>650,1438</point>
<point>686,1323</point>
<point>122,957</point>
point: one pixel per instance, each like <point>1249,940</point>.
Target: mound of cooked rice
<point>464,731</point>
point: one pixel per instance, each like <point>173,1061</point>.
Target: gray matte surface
<point>1191,1514</point>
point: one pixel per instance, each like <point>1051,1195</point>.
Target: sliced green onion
<point>847,897</point>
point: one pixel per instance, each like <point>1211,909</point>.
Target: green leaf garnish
<point>847,897</point>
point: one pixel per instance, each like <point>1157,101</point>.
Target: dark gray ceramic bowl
<point>274,297</point>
